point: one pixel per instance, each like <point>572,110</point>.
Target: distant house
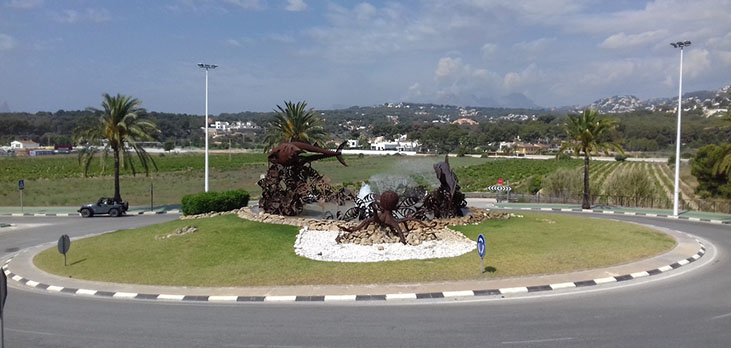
<point>465,121</point>
<point>23,144</point>
<point>529,149</point>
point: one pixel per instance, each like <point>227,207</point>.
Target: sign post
<point>21,186</point>
<point>3,296</point>
<point>481,251</point>
<point>64,243</point>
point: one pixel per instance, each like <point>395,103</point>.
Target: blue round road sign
<point>481,245</point>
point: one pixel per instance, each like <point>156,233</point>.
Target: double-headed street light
<point>681,45</point>
<point>205,123</point>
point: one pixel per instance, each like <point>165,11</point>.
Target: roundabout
<point>641,312</point>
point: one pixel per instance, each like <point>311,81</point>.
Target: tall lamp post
<point>681,45</point>
<point>205,123</point>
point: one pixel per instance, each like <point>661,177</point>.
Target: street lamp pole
<point>681,45</point>
<point>205,123</point>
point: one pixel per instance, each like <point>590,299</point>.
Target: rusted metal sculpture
<point>384,216</point>
<point>291,182</point>
<point>447,201</point>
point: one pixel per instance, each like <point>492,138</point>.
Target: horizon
<point>59,55</point>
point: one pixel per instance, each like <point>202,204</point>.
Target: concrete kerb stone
<point>20,269</point>
<point>157,212</point>
<point>616,212</point>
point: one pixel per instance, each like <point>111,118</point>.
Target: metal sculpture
<point>291,182</point>
<point>384,216</point>
<point>447,201</point>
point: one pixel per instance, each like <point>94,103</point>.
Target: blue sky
<point>65,54</point>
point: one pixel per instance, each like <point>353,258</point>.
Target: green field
<point>58,180</point>
<point>229,251</point>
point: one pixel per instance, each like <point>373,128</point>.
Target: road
<point>691,309</point>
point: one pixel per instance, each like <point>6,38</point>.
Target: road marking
<point>665,268</point>
<point>31,283</point>
<point>721,316</point>
<point>55,288</point>
<point>401,296</point>
<point>517,290</point>
<point>280,298</point>
<point>86,292</point>
<point>458,293</point>
<point>170,297</point>
<point>223,298</point>
<point>683,262</point>
<point>605,280</point>
<point>125,295</point>
<point>558,339</point>
<point>640,274</point>
<point>340,298</point>
<point>562,285</point>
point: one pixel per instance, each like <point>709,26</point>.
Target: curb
<point>351,298</point>
<point>614,212</point>
<point>77,214</point>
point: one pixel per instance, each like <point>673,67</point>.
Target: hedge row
<point>207,202</point>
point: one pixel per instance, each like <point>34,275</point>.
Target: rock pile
<point>180,232</point>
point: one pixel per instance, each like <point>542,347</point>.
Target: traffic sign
<point>481,245</point>
<point>499,188</point>
<point>3,290</point>
<point>64,243</point>
<point>500,181</point>
<point>21,184</point>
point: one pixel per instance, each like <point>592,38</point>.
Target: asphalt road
<point>691,309</point>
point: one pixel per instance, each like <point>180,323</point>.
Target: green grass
<point>183,174</point>
<point>229,251</point>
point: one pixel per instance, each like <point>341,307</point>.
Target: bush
<point>632,183</point>
<point>207,202</point>
<point>620,157</point>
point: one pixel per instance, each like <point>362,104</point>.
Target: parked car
<point>104,206</point>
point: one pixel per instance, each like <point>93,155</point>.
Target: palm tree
<point>118,129</point>
<point>294,123</point>
<point>589,134</point>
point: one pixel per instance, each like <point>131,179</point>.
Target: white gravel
<point>321,245</point>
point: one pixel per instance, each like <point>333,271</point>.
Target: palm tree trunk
<point>585,203</point>
<point>117,196</point>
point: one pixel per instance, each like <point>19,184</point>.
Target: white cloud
<point>233,43</point>
<point>517,81</point>
<point>7,42</point>
<point>296,5</point>
<point>535,46</point>
<point>246,4</point>
<point>24,4</point>
<point>488,50</point>
<point>725,57</point>
<point>87,15</point>
<point>697,62</point>
<point>622,40</point>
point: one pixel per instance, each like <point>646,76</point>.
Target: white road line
<point>562,285</point>
<point>17,278</point>
<point>339,298</point>
<point>223,298</point>
<point>458,293</point>
<point>280,298</point>
<point>124,295</point>
<point>665,268</point>
<point>55,288</point>
<point>86,292</point>
<point>411,296</point>
<point>539,340</point>
<point>31,283</point>
<point>517,290</point>
<point>640,274</point>
<point>170,297</point>
<point>605,280</point>
<point>721,316</point>
<point>683,262</point>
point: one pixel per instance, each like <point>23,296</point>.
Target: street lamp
<point>681,45</point>
<point>205,123</point>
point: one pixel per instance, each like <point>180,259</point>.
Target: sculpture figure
<point>291,182</point>
<point>383,216</point>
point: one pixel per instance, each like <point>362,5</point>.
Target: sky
<point>65,54</point>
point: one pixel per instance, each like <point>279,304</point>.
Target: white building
<point>23,144</point>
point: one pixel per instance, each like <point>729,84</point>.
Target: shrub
<point>633,183</point>
<point>620,158</point>
<point>207,202</point>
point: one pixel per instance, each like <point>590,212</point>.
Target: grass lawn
<point>229,251</point>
